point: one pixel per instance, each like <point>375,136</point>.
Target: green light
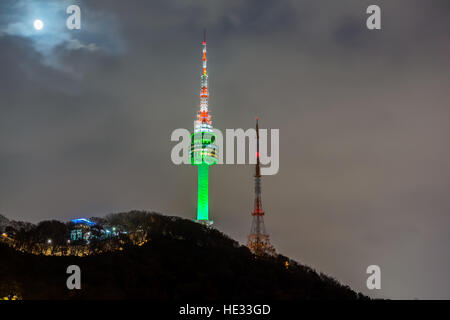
<point>202,202</point>
<point>203,155</point>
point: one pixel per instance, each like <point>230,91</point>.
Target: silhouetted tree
<point>55,230</point>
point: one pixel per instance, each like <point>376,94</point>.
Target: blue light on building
<point>83,221</point>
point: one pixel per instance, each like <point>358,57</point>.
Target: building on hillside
<point>82,229</point>
<point>87,230</point>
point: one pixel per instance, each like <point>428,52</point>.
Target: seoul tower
<point>203,147</point>
<point>258,240</point>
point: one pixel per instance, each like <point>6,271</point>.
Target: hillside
<point>181,260</point>
<point>5,223</point>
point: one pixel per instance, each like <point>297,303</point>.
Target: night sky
<point>364,117</point>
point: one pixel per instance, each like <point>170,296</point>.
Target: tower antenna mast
<point>258,240</point>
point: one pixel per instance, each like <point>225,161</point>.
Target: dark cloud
<point>364,166</point>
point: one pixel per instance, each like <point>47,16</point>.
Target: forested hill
<point>180,260</point>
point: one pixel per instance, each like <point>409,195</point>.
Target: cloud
<point>93,35</point>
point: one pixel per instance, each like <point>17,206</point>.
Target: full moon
<point>38,24</point>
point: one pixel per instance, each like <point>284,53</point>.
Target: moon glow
<point>38,24</point>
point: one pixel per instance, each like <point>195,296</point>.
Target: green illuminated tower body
<point>203,148</point>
